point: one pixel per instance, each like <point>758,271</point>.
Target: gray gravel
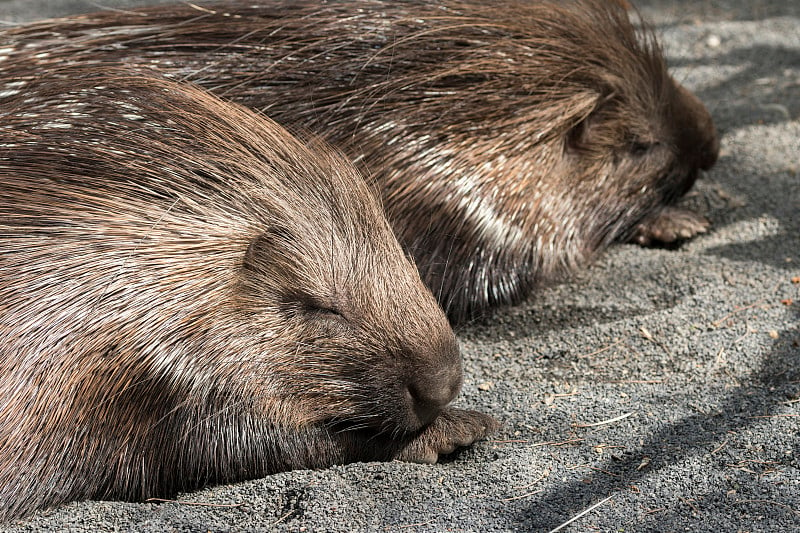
<point>667,380</point>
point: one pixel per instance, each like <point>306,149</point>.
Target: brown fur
<point>188,295</point>
<point>511,140</point>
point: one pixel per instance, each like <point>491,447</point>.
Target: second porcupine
<point>511,141</point>
<point>189,295</point>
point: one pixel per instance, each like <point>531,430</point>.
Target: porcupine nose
<point>431,392</point>
<point>710,152</point>
<point>696,128</point>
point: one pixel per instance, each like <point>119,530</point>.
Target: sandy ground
<point>662,385</point>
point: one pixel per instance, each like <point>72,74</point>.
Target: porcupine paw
<point>453,429</point>
<point>670,225</point>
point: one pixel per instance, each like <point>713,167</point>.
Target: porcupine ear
<point>578,136</point>
<point>588,135</point>
<point>597,121</point>
<point>267,269</point>
<point>269,265</point>
<point>267,245</point>
<point>589,110</point>
<point>581,136</point>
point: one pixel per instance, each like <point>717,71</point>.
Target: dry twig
<point>406,526</point>
<point>718,448</point>
<point>719,322</point>
<point>604,422</point>
<point>563,443</point>
<point>601,350</point>
<point>521,496</point>
<point>771,502</point>
<point>196,504</point>
<point>582,513</point>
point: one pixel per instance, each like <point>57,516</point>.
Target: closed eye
<point>641,148</point>
<point>330,311</point>
<point>316,306</point>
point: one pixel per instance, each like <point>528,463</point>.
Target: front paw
<point>671,224</point>
<point>453,429</point>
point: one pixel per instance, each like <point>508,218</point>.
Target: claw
<point>453,429</point>
<point>671,224</point>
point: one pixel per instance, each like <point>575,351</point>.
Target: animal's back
<point>510,142</point>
